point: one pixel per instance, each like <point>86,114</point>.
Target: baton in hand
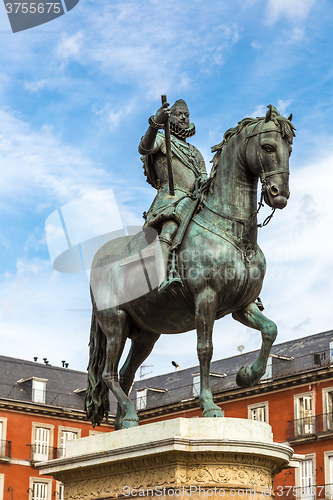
<point>168,149</point>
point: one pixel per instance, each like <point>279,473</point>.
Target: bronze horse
<point>222,268</point>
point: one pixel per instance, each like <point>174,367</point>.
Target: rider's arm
<point>150,142</point>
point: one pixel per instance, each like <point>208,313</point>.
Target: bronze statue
<point>187,172</point>
<point>220,262</point>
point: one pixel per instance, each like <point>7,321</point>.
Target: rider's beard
<point>182,133</point>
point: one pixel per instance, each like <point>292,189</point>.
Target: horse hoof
<point>130,422</point>
<point>213,412</point>
<point>244,377</point>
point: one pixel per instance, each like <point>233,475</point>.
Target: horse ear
<point>268,114</point>
<point>290,117</point>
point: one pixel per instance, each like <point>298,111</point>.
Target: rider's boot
<point>170,274</point>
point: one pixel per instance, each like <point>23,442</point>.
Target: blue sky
<point>75,96</point>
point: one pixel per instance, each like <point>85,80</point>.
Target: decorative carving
<point>207,470</point>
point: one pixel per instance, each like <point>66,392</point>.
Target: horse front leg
<point>253,318</point>
<point>205,314</point>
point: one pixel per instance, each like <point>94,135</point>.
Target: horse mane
<point>286,127</point>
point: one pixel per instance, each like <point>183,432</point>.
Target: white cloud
<point>283,105</point>
<point>43,165</point>
<point>260,110</point>
<point>294,11</point>
<point>34,322</point>
<point>144,44</point>
<point>69,47</point>
<point>114,117</point>
<point>35,86</point>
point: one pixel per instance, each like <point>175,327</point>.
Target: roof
<point>65,387</point>
<point>15,375</point>
<point>288,358</point>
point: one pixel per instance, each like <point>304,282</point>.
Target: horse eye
<point>268,148</point>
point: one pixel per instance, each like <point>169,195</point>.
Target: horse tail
<point>97,394</point>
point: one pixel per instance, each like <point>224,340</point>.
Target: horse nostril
<point>274,190</point>
<point>288,195</point>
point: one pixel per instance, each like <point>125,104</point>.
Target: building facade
<point>41,408</point>
<point>295,397</point>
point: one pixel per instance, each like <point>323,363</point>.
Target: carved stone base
<point>198,458</point>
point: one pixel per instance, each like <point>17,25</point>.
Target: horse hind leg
<point>253,318</point>
<point>116,328</point>
<point>142,345</point>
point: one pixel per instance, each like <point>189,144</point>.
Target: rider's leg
<point>166,236</point>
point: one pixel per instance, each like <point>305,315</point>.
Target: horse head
<point>268,147</point>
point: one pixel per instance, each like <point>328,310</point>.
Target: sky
<point>75,97</point>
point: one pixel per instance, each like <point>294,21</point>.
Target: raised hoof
<point>245,377</point>
<point>130,422</point>
<point>213,412</point>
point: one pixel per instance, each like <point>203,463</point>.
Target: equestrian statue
<point>207,261</point>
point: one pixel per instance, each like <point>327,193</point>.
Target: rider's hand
<point>162,114</point>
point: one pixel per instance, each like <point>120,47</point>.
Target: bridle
<point>263,175</point>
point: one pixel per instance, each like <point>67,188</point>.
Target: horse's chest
<point>235,275</point>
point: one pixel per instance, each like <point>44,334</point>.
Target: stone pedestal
<point>197,458</point>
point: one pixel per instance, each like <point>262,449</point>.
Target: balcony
<point>41,453</point>
<point>5,450</point>
<point>312,427</point>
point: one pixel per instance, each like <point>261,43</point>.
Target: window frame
<point>143,399</point>
<point>60,486</point>
<point>39,480</point>
<point>327,472</point>
<point>61,429</point>
<point>297,417</point>
<point>41,425</point>
<point>3,436</point>
<point>255,406</point>
<point>35,391</point>
<point>312,457</point>
<point>2,486</point>
<point>327,422</point>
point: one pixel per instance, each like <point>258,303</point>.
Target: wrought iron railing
<point>41,453</point>
<point>5,449</point>
<point>317,424</point>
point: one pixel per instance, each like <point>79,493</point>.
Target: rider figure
<point>189,173</point>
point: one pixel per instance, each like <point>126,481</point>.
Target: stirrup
<point>174,278</point>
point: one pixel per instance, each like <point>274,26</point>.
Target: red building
<point>41,408</point>
<point>295,397</point>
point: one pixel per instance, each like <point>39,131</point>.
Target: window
<point>305,480</point>
<point>60,491</point>
<point>42,442</point>
<point>40,489</point>
<point>328,461</point>
<point>258,411</point>
<point>38,394</point>
<point>141,399</point>
<point>269,369</point>
<point>196,384</point>
<point>2,481</point>
<point>3,443</point>
<point>304,416</point>
<point>34,388</point>
<point>66,434</point>
<point>328,409</point>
